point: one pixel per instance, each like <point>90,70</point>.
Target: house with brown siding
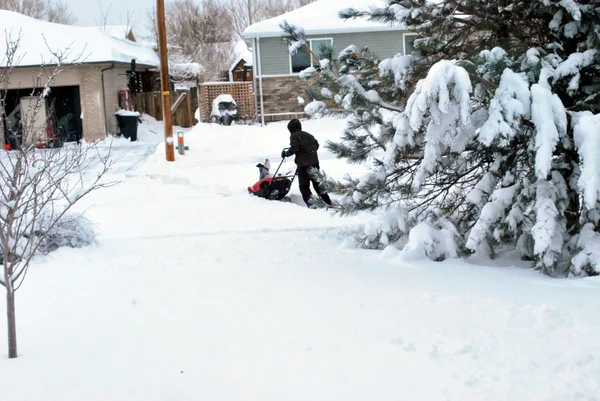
<point>276,72</point>
<point>94,68</point>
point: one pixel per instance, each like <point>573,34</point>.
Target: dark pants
<point>304,180</point>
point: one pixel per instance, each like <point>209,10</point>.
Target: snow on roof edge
<point>322,17</point>
<point>308,32</point>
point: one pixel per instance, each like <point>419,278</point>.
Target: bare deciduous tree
<point>190,24</point>
<point>38,186</point>
<point>205,33</point>
<point>49,10</point>
<point>58,12</point>
<point>248,12</point>
<point>201,33</point>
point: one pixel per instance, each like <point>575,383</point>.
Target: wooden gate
<point>151,104</point>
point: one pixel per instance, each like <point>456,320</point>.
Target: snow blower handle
<point>282,160</point>
<point>284,153</point>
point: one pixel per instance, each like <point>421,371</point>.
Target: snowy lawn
<point>199,291</point>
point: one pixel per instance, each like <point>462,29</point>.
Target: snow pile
<point>428,241</point>
<point>314,108</point>
<point>387,228</point>
<point>40,39</point>
<point>225,98</point>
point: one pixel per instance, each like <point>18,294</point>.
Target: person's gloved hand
<point>283,153</point>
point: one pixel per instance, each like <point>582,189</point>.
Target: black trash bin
<point>128,124</point>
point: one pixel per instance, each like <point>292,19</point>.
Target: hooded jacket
<point>304,146</point>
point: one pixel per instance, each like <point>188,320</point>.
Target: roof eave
<point>325,31</point>
<point>138,64</point>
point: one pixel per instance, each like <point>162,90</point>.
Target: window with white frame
<point>303,59</point>
<point>409,43</point>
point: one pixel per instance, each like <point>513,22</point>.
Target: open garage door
<point>58,119</point>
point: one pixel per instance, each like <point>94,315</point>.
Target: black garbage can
<point>128,124</point>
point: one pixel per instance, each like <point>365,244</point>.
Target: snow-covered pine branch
<point>492,129</point>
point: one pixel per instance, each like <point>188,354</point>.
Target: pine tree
<point>487,137</point>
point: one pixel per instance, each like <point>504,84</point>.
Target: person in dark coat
<point>305,146</point>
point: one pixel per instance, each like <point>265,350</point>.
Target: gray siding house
<point>276,76</point>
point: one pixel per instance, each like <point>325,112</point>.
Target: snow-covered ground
<point>199,291</point>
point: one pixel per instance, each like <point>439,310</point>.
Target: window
<point>409,43</point>
<point>303,59</point>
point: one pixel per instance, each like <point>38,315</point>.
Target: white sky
<point>88,12</point>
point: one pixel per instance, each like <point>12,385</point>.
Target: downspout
<point>104,97</point>
<point>262,106</point>
<point>254,76</point>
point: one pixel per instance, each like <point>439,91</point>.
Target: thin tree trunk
<point>12,322</point>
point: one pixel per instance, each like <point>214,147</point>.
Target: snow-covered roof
<point>38,39</point>
<point>117,31</point>
<point>321,17</point>
<point>242,52</point>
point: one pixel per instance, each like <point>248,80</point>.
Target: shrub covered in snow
<point>72,230</point>
<point>184,69</point>
<point>495,134</point>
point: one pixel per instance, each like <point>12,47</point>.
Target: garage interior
<point>59,119</point>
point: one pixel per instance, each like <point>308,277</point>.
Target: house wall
<point>281,88</point>
<point>98,113</point>
<point>275,58</point>
<point>115,80</point>
<point>90,89</point>
<point>280,97</point>
<point>88,79</point>
<point>27,78</point>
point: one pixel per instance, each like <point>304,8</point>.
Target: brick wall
<point>90,88</point>
<point>114,81</point>
<point>280,96</point>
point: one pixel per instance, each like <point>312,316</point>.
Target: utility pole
<point>164,79</point>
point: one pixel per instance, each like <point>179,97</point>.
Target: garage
<point>57,121</point>
<point>86,69</point>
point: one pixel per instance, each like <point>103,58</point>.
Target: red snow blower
<point>275,187</point>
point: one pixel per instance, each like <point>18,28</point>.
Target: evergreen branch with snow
<point>486,134</point>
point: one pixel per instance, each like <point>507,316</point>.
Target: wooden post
<point>180,144</point>
<point>164,79</point>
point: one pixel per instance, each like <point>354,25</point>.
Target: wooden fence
<point>151,104</point>
<point>184,116</point>
<point>242,93</point>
